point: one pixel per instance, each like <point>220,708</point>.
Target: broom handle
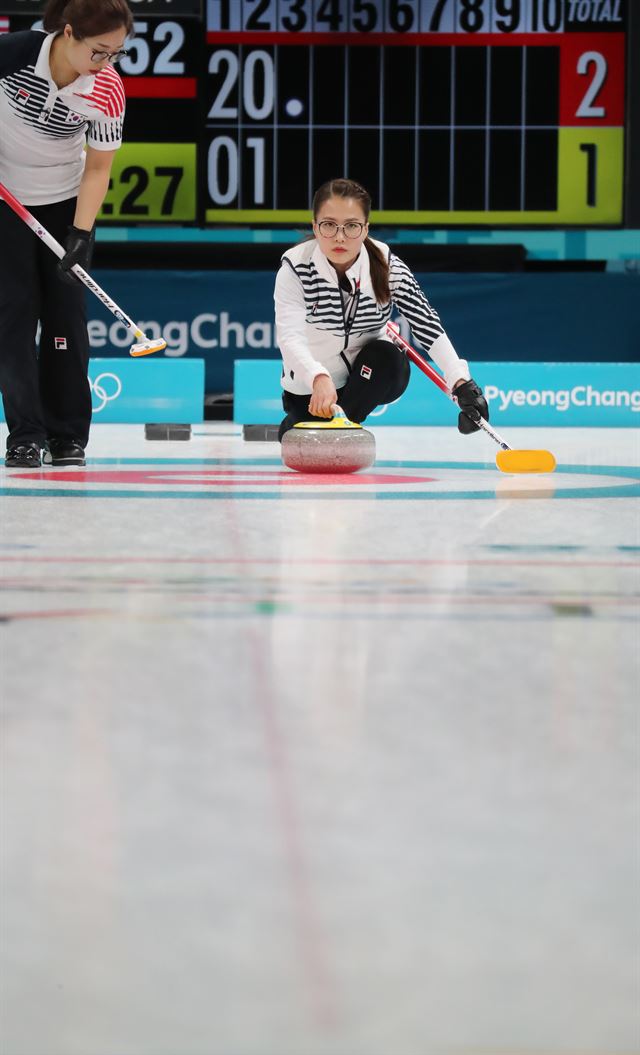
<point>422,364</point>
<point>54,245</point>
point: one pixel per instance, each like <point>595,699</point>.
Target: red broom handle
<point>394,333</point>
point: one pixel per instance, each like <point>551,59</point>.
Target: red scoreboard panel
<point>469,112</point>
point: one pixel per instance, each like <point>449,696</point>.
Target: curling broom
<point>508,460</point>
<point>145,345</point>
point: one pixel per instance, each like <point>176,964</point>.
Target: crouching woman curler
<point>333,297</point>
<point>58,93</point>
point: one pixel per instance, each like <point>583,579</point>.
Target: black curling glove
<point>472,403</point>
<point>79,250</point>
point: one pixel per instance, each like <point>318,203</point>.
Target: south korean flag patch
<point>60,343</point>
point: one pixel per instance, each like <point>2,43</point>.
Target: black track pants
<point>380,374</point>
<point>45,395</point>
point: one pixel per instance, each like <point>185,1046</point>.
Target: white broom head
<point>147,347</point>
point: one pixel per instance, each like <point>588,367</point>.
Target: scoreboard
<point>469,112</point>
<point>448,111</point>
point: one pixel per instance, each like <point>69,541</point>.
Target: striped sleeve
<point>105,134</point>
<point>108,100</point>
<point>412,304</point>
<point>425,322</point>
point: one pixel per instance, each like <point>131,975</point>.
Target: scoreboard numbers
<point>587,107</point>
<point>152,182</point>
<point>415,16</point>
<point>256,90</point>
<point>154,175</point>
<point>155,48</point>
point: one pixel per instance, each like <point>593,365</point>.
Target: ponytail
<point>87,18</point>
<point>379,272</point>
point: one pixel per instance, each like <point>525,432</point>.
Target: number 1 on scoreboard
<point>590,171</point>
<point>591,150</point>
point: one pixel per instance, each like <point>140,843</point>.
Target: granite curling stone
<point>334,446</point>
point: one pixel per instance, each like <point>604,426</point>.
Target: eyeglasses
<point>329,229</point>
<point>100,56</point>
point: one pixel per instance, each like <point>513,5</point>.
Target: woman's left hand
<point>79,248</point>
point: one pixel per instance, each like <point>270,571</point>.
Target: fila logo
<point>60,343</point>
<point>365,371</point>
<point>22,96</point>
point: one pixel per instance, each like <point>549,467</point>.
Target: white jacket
<point>43,128</point>
<point>320,330</point>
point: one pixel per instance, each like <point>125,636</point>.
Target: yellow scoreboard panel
<point>152,182</point>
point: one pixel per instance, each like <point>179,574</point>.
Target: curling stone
<point>334,446</point>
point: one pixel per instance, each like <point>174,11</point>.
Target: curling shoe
<point>63,452</point>
<point>23,456</point>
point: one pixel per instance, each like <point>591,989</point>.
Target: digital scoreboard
<point>469,112</point>
<point>448,111</point>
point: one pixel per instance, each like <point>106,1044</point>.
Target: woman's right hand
<point>323,397</point>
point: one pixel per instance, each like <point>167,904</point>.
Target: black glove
<point>79,248</point>
<point>472,403</point>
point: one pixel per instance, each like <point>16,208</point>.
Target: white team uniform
<point>44,128</point>
<point>320,329</point>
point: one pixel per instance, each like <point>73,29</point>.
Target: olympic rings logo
<point>105,393</point>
